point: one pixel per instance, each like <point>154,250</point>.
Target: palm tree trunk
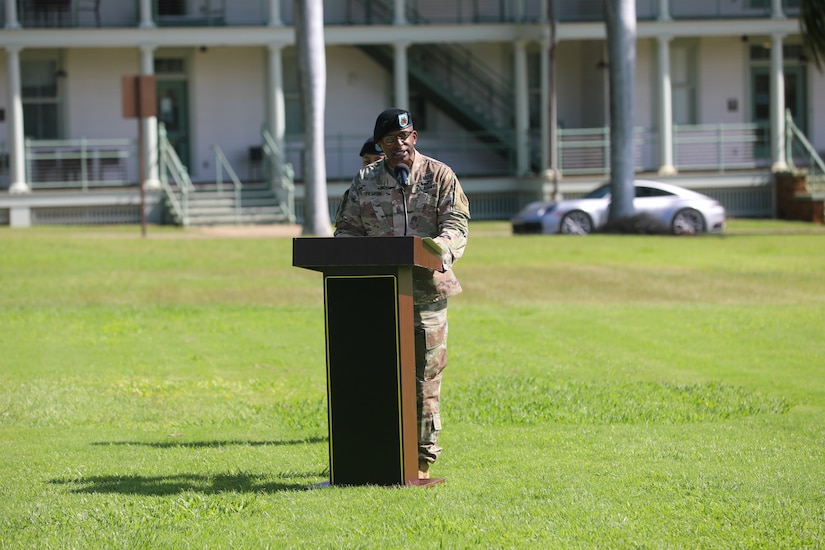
<point>309,37</point>
<point>620,18</point>
<point>812,28</point>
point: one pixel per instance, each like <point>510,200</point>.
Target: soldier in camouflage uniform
<point>427,203</point>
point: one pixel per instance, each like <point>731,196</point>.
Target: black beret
<point>370,148</point>
<point>391,120</point>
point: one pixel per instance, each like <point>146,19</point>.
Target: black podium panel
<point>364,380</point>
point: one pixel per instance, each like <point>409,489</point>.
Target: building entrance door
<point>173,112</point>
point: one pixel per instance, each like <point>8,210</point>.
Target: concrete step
<point>244,219</point>
<point>258,205</point>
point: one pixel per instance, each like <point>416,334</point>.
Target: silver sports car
<point>681,210</point>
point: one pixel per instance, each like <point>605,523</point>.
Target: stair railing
<point>459,72</point>
<point>171,166</point>
<point>797,143</point>
<point>280,175</point>
<point>221,165</point>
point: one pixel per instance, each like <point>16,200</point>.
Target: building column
<point>275,13</point>
<point>146,19</point>
<point>11,15</point>
<point>17,146</point>
<point>400,18</point>
<point>548,109</point>
<point>665,122</point>
<point>776,10</point>
<point>664,10</point>
<point>150,126</point>
<point>276,108</point>
<point>401,78</point>
<point>522,109</point>
<point>520,11</point>
<point>777,105</point>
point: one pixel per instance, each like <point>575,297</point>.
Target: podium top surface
<point>319,253</point>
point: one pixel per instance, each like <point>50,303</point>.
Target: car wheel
<point>688,221</point>
<point>576,222</point>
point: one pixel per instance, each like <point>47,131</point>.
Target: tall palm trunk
<point>309,37</point>
<point>620,18</point>
<point>812,27</point>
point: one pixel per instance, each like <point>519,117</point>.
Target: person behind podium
<point>370,152</point>
<point>408,193</point>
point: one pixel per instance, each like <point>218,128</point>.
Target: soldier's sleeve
<point>453,220</point>
<point>348,221</point>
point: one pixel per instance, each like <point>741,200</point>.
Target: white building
<point>713,81</point>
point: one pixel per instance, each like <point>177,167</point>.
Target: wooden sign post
<point>139,96</point>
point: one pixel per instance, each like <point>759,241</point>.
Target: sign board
<point>139,96</point>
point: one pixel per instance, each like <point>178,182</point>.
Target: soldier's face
<point>399,147</point>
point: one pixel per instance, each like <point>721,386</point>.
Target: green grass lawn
<point>602,392</point>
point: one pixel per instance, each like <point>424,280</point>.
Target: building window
<point>683,83</point>
<point>294,123</point>
<point>170,66</point>
<point>40,97</point>
<point>171,7</point>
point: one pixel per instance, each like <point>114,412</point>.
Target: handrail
<point>221,164</point>
<point>816,167</point>
<point>170,164</point>
<point>281,175</point>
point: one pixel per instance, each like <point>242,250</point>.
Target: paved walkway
<point>277,230</point>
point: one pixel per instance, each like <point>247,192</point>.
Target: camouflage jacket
<point>432,204</point>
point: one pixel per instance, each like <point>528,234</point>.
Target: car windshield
<point>599,192</point>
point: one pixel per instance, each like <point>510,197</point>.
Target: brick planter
<point>793,202</point>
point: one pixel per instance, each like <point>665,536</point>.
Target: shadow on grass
<point>182,483</point>
<point>199,483</point>
<point>209,444</point>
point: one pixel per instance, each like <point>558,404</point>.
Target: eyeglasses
<point>390,140</point>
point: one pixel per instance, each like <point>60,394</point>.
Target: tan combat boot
<point>423,469</point>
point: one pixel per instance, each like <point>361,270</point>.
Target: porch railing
<point>91,14</point>
<point>800,154</point>
<point>81,163</point>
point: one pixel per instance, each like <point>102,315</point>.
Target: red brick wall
<point>793,201</point>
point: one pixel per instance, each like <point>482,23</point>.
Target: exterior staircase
<point>801,190</point>
<point>456,81</point>
<point>206,204</point>
<point>226,202</point>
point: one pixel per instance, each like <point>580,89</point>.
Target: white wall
<point>4,100</point>
<point>358,89</point>
<point>722,76</point>
<point>93,101</point>
<point>569,84</point>
<point>226,105</point>
<point>646,84</point>
<point>816,108</point>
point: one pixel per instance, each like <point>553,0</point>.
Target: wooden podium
<point>370,352</point>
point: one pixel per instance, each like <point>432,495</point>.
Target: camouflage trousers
<point>430,360</point>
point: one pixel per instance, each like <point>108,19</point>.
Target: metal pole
<point>141,156</point>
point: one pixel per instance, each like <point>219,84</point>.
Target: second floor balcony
<point>37,14</point>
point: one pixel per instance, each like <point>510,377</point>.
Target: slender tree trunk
<point>309,37</point>
<point>620,18</point>
<point>812,28</point>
